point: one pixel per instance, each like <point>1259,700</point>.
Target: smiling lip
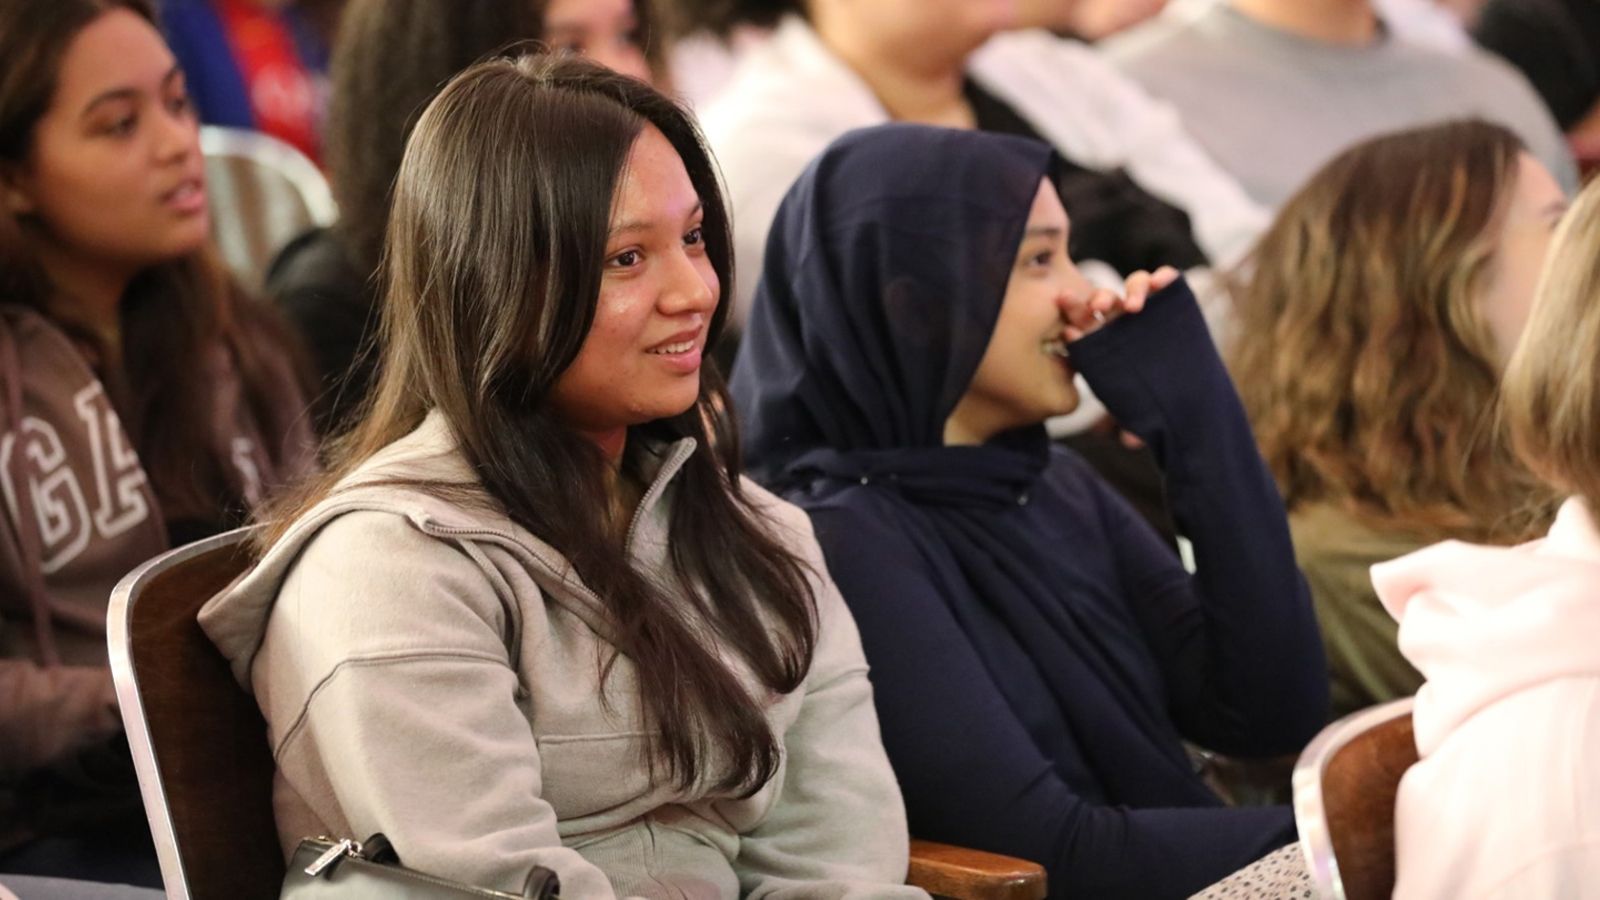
<point>188,198</point>
<point>681,352</point>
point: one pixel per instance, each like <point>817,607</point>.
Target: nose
<point>179,136</point>
<point>691,285</point>
<point>1073,290</point>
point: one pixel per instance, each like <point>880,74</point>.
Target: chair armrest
<point>973,874</point>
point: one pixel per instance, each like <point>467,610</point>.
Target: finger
<point>1072,333</point>
<point>1163,278</point>
<point>1137,285</point>
<point>1130,440</point>
<point>1104,304</point>
<point>1077,312</point>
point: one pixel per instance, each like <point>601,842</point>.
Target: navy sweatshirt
<point>1038,654</point>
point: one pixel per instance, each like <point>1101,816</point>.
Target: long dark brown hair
<point>172,314</point>
<point>391,58</point>
<point>492,268</point>
<point>1362,358</point>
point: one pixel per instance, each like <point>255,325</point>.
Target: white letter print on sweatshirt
<point>64,519</point>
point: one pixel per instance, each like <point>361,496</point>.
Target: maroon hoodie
<point>80,513</point>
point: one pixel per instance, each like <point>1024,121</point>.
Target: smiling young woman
<point>145,401</point>
<point>552,624</point>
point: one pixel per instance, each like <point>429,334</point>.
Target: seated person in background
<point>1556,44</point>
<point>392,57</point>
<point>144,401</point>
<point>1038,655</point>
<point>1506,636</point>
<point>1439,24</point>
<point>1275,88</point>
<point>533,616</point>
<point>255,64</point>
<point>1374,320</point>
<point>618,34</point>
<point>1135,181</point>
<point>1087,20</point>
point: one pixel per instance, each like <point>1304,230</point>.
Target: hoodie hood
<point>1483,623</point>
<point>396,480</point>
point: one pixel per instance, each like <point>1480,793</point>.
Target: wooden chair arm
<point>973,874</point>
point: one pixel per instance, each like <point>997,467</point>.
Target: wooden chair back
<point>199,742</point>
<point>1344,794</point>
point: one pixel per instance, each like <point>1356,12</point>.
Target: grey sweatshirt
<point>433,672</point>
<point>1272,107</point>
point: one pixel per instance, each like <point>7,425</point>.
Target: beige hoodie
<point>433,672</point>
<point>1505,800</point>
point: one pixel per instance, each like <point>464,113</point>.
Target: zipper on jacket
<point>345,848</point>
<point>658,487</point>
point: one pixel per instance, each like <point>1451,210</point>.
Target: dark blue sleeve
<point>969,770</point>
<point>1238,642</point>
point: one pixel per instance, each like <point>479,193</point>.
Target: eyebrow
<point>127,93</point>
<point>1044,231</point>
<point>644,224</point>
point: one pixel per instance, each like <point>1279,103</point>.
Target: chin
<point>183,242</point>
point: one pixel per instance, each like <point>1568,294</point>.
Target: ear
<point>14,192</point>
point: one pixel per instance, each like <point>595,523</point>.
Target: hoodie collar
<point>1484,623</point>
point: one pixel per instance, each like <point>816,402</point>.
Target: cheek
<point>106,205</point>
<point>79,195</point>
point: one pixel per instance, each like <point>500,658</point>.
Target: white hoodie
<point>1505,801</point>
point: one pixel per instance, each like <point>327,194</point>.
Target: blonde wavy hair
<point>1366,367</point>
<point>1552,383</point>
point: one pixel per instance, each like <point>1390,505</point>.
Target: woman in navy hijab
<point>1038,654</point>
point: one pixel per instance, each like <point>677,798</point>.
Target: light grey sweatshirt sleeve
<point>393,706</point>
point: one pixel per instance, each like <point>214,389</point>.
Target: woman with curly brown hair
<point>1374,323</point>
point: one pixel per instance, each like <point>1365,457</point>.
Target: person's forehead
<point>654,185</point>
<point>117,51</point>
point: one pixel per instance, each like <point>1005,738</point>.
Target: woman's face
<point>606,31</point>
<point>924,31</point>
<point>1023,378</point>
<point>114,175</point>
<point>1532,212</point>
<point>641,358</point>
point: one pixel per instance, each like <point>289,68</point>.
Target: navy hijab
<point>886,268</point>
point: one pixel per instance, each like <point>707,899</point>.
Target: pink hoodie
<point>1505,801</point>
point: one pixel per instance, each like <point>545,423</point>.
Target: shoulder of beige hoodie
<point>431,672</point>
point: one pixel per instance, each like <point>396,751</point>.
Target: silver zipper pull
<point>332,855</point>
